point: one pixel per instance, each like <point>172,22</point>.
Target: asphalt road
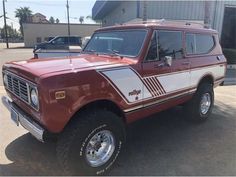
<point>163,144</point>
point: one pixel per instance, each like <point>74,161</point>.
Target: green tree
<point>90,18</point>
<point>81,19</point>
<point>51,20</point>
<point>12,33</point>
<point>23,14</point>
<point>57,20</point>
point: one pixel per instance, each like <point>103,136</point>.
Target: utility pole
<point>144,11</point>
<point>5,23</point>
<point>207,16</point>
<point>68,17</point>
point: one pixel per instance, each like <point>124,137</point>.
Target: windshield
<point>123,43</point>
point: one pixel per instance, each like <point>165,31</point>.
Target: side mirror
<point>53,42</point>
<point>168,60</point>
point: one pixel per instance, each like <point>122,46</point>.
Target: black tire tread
<point>81,121</point>
<point>190,111</point>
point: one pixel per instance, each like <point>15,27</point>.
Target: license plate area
<point>15,116</point>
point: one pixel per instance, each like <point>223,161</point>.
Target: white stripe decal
<point>128,83</point>
<point>133,88</point>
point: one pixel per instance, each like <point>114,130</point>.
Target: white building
<point>39,32</point>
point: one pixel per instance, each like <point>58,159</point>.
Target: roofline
<point>102,7</point>
<point>156,26</point>
<point>39,14</point>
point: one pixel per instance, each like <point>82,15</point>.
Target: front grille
<point>19,87</point>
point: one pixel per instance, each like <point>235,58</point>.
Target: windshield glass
<point>124,43</point>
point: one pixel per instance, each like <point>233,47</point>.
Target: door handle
<point>218,58</point>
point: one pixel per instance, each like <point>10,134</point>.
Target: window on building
<point>152,52</point>
<point>38,39</point>
<point>170,44</point>
<point>199,43</point>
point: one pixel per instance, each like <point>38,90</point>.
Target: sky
<point>55,8</point>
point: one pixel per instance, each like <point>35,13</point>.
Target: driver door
<point>160,77</point>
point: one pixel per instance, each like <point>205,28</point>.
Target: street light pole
<point>5,23</point>
<point>68,17</point>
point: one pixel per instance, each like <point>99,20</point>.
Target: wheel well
<point>101,104</point>
<point>207,79</point>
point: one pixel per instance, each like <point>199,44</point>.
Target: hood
<point>39,67</point>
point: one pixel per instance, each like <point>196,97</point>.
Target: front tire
<point>91,144</point>
<point>200,107</point>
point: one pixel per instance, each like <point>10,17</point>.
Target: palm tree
<point>23,14</point>
<point>81,19</point>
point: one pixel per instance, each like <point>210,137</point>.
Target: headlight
<point>5,79</point>
<point>34,97</point>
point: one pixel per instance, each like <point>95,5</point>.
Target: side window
<point>66,40</point>
<point>199,43</point>
<point>190,44</point>
<point>170,44</point>
<point>72,40</point>
<point>204,43</point>
<point>59,40</point>
<point>152,52</point>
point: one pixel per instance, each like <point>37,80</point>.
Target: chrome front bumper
<point>21,118</point>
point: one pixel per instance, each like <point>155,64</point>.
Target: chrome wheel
<point>205,103</point>
<point>100,148</point>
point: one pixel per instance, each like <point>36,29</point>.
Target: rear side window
<point>170,44</point>
<point>199,43</point>
<point>72,40</point>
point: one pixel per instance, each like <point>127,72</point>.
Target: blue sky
<point>55,8</point>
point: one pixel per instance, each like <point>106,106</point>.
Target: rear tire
<point>81,145</point>
<point>199,108</point>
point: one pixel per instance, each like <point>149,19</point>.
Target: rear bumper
<point>26,121</point>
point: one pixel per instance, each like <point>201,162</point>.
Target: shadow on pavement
<point>31,157</point>
<point>164,144</point>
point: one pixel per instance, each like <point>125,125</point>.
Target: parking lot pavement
<point>163,144</point>
<point>13,54</point>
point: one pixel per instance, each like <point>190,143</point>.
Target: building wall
<point>32,31</point>
<point>184,10</point>
<point>124,12</point>
<point>175,10</point>
<point>218,16</point>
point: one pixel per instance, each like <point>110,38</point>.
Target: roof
<point>162,24</point>
<point>103,7</point>
<point>39,15</point>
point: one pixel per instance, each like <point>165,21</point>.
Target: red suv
<point>123,74</point>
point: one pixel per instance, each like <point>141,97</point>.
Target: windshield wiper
<point>115,52</point>
<point>90,51</point>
